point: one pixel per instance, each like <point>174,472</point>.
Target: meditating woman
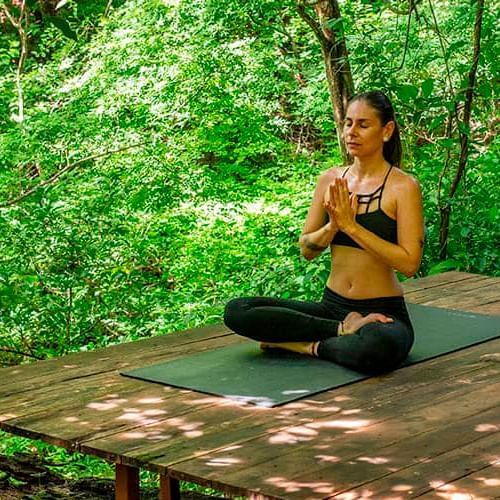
<point>370,215</point>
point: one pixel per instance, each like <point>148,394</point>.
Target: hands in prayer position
<point>340,206</point>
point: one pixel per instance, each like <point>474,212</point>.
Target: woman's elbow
<point>306,253</point>
<point>410,269</point>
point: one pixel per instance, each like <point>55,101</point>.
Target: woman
<point>370,215</point>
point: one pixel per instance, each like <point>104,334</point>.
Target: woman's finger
<point>354,202</point>
<point>335,193</point>
<point>379,317</point>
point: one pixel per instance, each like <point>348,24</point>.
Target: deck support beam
<point>169,488</point>
<point>126,482</point>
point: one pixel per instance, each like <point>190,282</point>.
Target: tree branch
<point>445,210</point>
<point>443,50</point>
<point>311,22</point>
<point>19,353</point>
<point>469,94</point>
<point>18,25</point>
<point>64,170</point>
<point>407,38</point>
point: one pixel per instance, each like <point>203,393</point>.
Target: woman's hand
<point>341,207</point>
<point>354,321</point>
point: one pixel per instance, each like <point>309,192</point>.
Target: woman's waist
<point>394,305</point>
<point>362,283</point>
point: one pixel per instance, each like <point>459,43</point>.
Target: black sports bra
<point>377,221</point>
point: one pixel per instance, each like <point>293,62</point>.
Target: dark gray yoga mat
<point>244,373</point>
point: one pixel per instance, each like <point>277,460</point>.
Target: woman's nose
<point>351,130</point>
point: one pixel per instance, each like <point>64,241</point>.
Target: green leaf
<point>443,266</point>
<point>484,89</point>
<point>493,214</point>
<point>464,128</point>
<point>32,4</point>
<point>407,92</point>
<point>63,26</point>
<point>438,120</point>
<point>427,87</point>
<point>465,231</point>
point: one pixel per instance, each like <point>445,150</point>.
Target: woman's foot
<point>300,347</point>
<point>354,321</point>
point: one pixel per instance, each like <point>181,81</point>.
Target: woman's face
<point>363,131</point>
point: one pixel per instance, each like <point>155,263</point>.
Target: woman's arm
<point>317,235</point>
<point>406,256</point>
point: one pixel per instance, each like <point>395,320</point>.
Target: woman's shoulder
<point>403,181</point>
<point>331,174</point>
<point>405,189</point>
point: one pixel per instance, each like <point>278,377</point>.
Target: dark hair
<point>393,150</point>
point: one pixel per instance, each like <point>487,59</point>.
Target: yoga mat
<point>245,373</point>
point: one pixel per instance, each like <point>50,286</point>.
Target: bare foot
<point>354,321</point>
<point>300,347</point>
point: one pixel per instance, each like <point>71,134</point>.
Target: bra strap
<point>345,172</point>
<point>383,185</point>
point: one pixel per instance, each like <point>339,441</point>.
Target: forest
<point>158,157</point>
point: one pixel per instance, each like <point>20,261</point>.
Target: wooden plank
<point>68,424</point>
<point>60,370</point>
<point>227,423</point>
<point>66,419</point>
<point>486,308</point>
<point>309,444</point>
<point>114,357</point>
<point>481,485</point>
<point>437,280</point>
<point>274,478</point>
<point>453,288</point>
<point>99,383</point>
<point>435,470</point>
<point>126,483</point>
<point>465,299</point>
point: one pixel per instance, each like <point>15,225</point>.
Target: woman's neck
<point>368,168</point>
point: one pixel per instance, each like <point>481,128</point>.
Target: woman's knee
<point>233,312</point>
<point>384,347</point>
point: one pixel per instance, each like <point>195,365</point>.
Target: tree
<point>329,31</point>
<point>21,14</point>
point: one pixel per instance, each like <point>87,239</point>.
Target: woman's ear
<point>388,130</point>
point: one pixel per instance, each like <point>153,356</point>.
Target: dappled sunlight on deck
<point>456,492</point>
<point>341,424</point>
<point>487,428</point>
<point>290,486</point>
<point>428,430</point>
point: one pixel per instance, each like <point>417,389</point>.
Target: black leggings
<point>375,348</point>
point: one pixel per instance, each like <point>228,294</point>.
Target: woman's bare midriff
<point>356,274</point>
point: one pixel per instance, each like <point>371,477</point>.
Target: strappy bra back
<point>376,221</point>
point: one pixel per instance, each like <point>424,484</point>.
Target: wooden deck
<point>429,430</point>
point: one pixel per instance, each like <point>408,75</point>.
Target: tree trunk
<point>328,30</point>
<point>21,25</point>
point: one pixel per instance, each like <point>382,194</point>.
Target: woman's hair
<point>393,150</point>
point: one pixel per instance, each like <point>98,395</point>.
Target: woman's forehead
<point>359,110</point>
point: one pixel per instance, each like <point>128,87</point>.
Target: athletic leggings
<point>375,348</point>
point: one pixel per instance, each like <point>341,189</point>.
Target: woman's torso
<point>355,273</point>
